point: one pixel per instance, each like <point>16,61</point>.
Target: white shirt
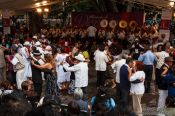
<point>139,87</point>
<point>91,31</point>
<point>161,58</point>
<point>100,60</point>
<point>81,73</point>
<point>5,92</point>
<point>116,67</point>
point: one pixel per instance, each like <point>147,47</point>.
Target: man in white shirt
<point>25,52</point>
<point>116,67</point>
<point>91,32</point>
<point>81,73</point>
<point>101,60</point>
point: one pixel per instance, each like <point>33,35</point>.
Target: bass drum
<point>123,24</point>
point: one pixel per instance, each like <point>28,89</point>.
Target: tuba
<point>104,23</point>
<point>133,24</point>
<point>123,24</point>
<point>112,24</point>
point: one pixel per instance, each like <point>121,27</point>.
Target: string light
<point>44,2</point>
<point>37,4</point>
<point>46,10</point>
<point>39,10</point>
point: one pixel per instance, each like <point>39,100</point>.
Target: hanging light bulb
<point>37,4</point>
<point>171,4</point>
<point>46,10</point>
<point>39,10</point>
<point>44,2</point>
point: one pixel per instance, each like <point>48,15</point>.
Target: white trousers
<point>163,94</point>
<point>28,70</point>
<point>20,77</point>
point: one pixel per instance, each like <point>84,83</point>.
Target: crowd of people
<point>37,70</point>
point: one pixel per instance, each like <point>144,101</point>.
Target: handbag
<point>19,65</point>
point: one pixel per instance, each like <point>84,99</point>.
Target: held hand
<point>32,62</point>
<point>70,53</point>
<point>130,70</point>
<point>62,63</point>
<point>142,79</point>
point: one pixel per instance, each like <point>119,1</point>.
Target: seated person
<point>103,97</point>
<point>6,88</point>
<point>30,94</point>
<point>73,109</point>
<point>51,106</point>
<point>78,95</point>
<point>15,104</point>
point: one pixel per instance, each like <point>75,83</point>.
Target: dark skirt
<point>51,85</point>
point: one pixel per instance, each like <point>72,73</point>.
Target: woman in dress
<point>50,74</point>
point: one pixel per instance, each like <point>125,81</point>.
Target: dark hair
<point>62,50</point>
<point>101,110</point>
<point>54,49</point>
<point>101,47</point>
<point>48,110</point>
<point>103,94</point>
<point>52,99</point>
<point>160,48</point>
<point>16,95</point>
<point>139,65</point>
<point>173,68</point>
<point>26,84</point>
<point>147,47</point>
<point>15,104</point>
<point>6,85</point>
<point>14,48</point>
<point>50,107</point>
<point>90,24</point>
<point>73,108</point>
<point>15,108</point>
<point>129,60</point>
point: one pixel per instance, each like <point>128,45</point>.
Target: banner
<point>165,24</point>
<point>6,21</point>
<point>84,19</point>
<point>166,14</point>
